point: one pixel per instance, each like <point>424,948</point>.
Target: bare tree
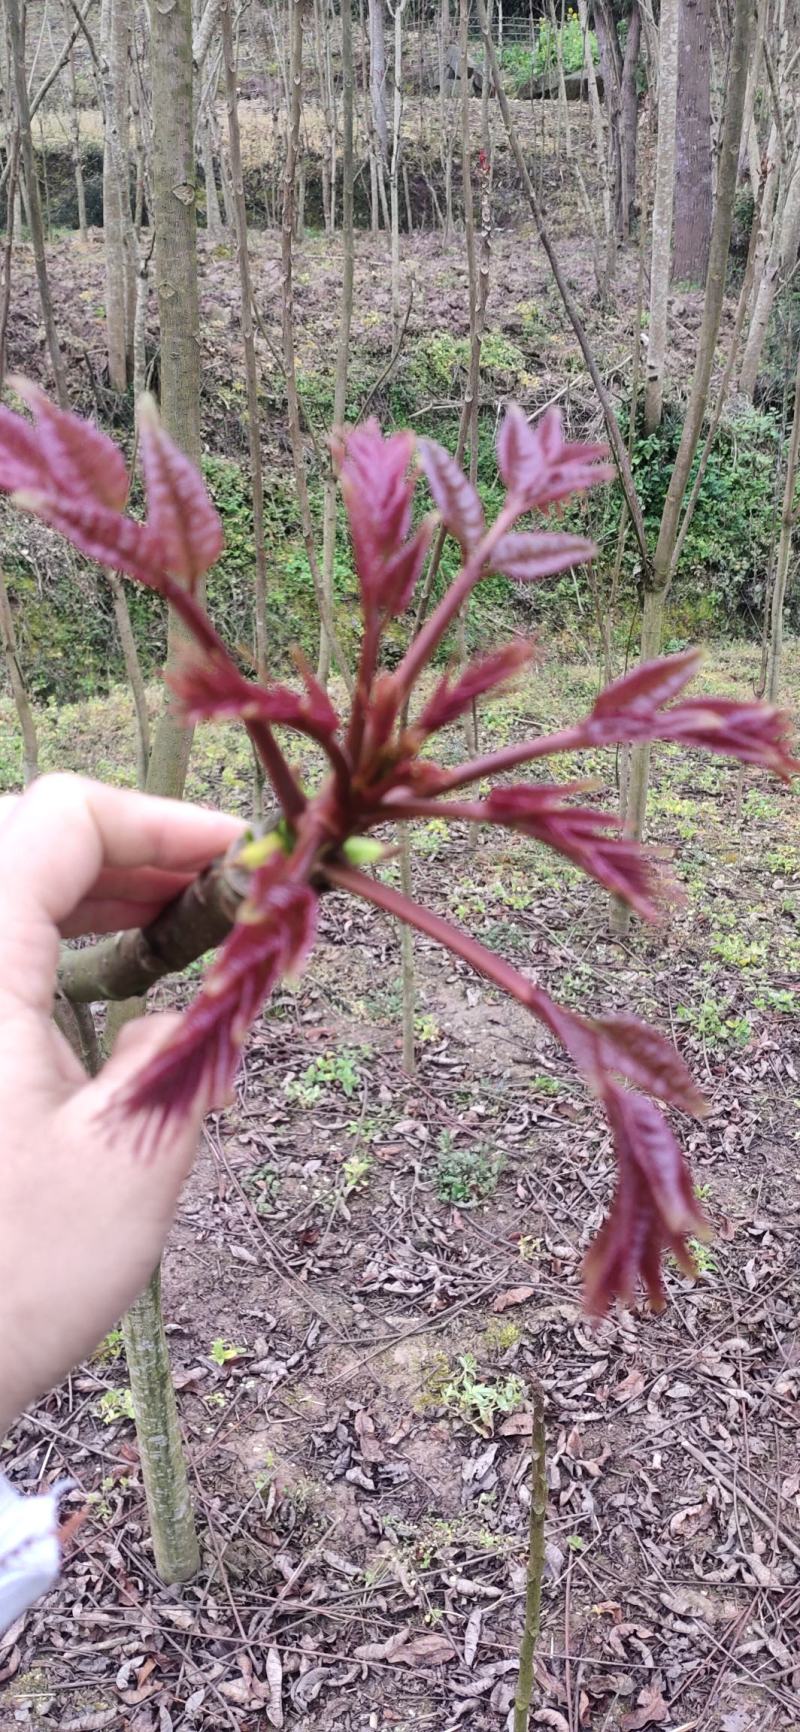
<point>163,1464</point>
<point>248,337</point>
<point>115,32</point>
<point>25,716</point>
<point>16,28</point>
<point>75,137</point>
<point>345,320</point>
<point>659,577</point>
<point>783,561</point>
<point>661,252</point>
<point>694,200</point>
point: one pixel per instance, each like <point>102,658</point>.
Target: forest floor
<point>367,1271</point>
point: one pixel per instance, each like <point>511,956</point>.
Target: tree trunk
<point>599,131</point>
<point>629,122</point>
<point>115,33</point>
<point>163,1465</point>
<point>133,669</point>
<point>658,586</point>
<point>16,30</point>
<point>75,136</point>
<point>377,80</point>
<point>214,225</point>
<point>27,724</point>
<point>662,213</point>
<point>248,340</point>
<point>693,191</point>
<point>781,259</point>
<point>788,520</point>
<point>289,359</point>
<point>394,165</point>
<point>345,319</point>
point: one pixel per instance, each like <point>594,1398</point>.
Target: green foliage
<point>465,1396</point>
<point>727,551</point>
<point>522,64</point>
<point>709,1023</point>
<point>114,1405</point>
<point>464,1175</point>
<point>330,1070</point>
<point>223,1351</point>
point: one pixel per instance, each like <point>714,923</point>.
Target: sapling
<point>73,477</point>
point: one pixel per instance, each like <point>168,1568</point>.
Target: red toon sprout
<point>72,476</point>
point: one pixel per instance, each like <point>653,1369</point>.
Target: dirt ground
<point>368,1270</point>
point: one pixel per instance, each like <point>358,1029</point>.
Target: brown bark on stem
<point>14,17</point>
<point>345,320</point>
<point>27,724</point>
<point>615,438</point>
<point>248,338</point>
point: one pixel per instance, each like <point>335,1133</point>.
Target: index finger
<point>55,842</point>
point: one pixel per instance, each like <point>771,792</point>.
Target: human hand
<point>82,1219</point>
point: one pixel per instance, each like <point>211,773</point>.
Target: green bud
<point>362,850</point>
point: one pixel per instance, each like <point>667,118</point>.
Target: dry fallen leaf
<point>365,1432</point>
<point>551,1717</point>
<point>512,1296</point>
<point>472,1635</point>
<point>429,1650</point>
<point>517,1425</point>
<point>652,1711</point>
<point>274,1672</point>
<point>630,1386</point>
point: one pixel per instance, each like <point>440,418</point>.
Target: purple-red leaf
<point>455,497</point>
<point>654,1207</point>
<point>453,696</point>
<point>272,938</point>
<point>528,555</point>
<point>103,535</point>
<point>641,691</point>
<point>631,709</point>
<point>589,838</point>
<point>377,491</point>
<point>76,457</point>
<point>538,466</point>
<point>179,510</point>
<point>401,572</point>
<point>642,1055</point>
<point>210,688</point>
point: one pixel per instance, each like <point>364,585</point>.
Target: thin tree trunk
<point>377,79</point>
<point>248,339</point>
<point>214,224</point>
<point>394,165</point>
<point>661,254</point>
<point>693,191</point>
<point>629,121</point>
<point>535,1568</point>
<point>345,320</point>
<point>17,36</point>
<point>615,439</point>
<point>75,134</point>
<point>120,270</point>
<point>289,360</point>
<point>133,669</point>
<point>8,249</point>
<point>598,129</point>
<point>788,520</point>
<point>657,588</point>
<point>408,973</point>
<point>27,724</point>
<point>163,1464</point>
<point>782,256</point>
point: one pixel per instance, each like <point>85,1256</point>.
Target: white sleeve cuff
<point>30,1554</point>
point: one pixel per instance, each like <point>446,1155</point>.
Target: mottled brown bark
<point>693,188</point>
